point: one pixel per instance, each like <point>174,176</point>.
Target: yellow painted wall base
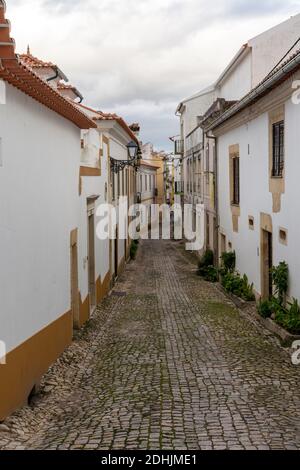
<point>84,310</point>
<point>103,287</point>
<point>122,265</point>
<point>28,362</point>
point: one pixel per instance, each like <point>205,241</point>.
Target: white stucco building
<point>250,65</point>
<point>39,171</point>
<point>257,145</point>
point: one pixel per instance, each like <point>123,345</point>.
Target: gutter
<point>58,73</point>
<point>258,92</point>
<point>216,174</point>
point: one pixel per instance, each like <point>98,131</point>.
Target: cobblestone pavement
<point>166,363</point>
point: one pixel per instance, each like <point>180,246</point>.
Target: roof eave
<point>265,87</point>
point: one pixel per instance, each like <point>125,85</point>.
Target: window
<point>141,183</point>
<point>236,181</point>
<point>278,149</point>
<point>188,175</point>
<point>207,163</point>
<point>199,173</point>
<point>146,185</point>
<point>118,184</point>
<point>283,236</point>
<point>251,222</point>
<point>194,174</point>
<point>113,186</point>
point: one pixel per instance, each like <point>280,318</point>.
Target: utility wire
<point>274,68</point>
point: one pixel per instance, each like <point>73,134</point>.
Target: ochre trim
<point>26,364</point>
<point>103,288</point>
<point>276,185</point>
<point>266,222</point>
<point>84,310</point>
<point>283,241</point>
<point>121,266</point>
<point>266,225</point>
<point>98,290</point>
<point>88,171</point>
<point>74,237</point>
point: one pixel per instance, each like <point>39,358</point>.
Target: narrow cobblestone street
<point>169,364</point>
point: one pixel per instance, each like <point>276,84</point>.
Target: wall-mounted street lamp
<point>134,158</point>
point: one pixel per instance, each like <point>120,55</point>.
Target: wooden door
<point>267,264</point>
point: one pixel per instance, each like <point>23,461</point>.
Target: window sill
<point>277,177</point>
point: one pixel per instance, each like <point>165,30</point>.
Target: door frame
<point>75,309</point>
<point>266,255</point>
<point>91,250</point>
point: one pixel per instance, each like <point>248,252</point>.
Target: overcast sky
<point>140,58</point>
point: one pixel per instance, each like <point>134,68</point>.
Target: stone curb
<point>286,338</point>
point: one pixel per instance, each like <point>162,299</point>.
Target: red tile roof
<point>65,86</point>
<point>19,75</point>
<point>33,62</point>
<point>100,116</point>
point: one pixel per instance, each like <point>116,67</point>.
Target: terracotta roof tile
<point>21,76</point>
<point>99,115</point>
<point>33,62</point>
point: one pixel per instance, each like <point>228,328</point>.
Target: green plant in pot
<point>280,279</point>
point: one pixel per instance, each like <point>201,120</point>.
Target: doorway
<point>91,260</point>
<point>116,253</point>
<point>74,280</point>
<point>267,264</point>
<point>223,244</point>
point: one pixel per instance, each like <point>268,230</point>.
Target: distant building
<point>196,146</point>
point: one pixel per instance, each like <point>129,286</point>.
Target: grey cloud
<point>156,52</point>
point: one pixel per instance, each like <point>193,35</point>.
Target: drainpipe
<point>217,223</point>
<point>54,76</point>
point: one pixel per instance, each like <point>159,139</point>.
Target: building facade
<point>58,163</point>
<point>197,146</point>
<point>258,168</point>
<point>39,168</point>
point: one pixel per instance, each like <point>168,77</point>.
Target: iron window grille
<point>236,181</point>
<point>278,149</point>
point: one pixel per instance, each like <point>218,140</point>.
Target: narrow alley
<point>166,362</point>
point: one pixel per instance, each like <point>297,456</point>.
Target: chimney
<point>135,127</point>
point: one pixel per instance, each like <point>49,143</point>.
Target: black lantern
<point>134,158</point>
<point>132,148</point>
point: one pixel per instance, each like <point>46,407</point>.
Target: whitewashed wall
<point>256,198</point>
<point>270,46</point>
<point>239,82</point>
<point>92,186</point>
<point>38,210</point>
